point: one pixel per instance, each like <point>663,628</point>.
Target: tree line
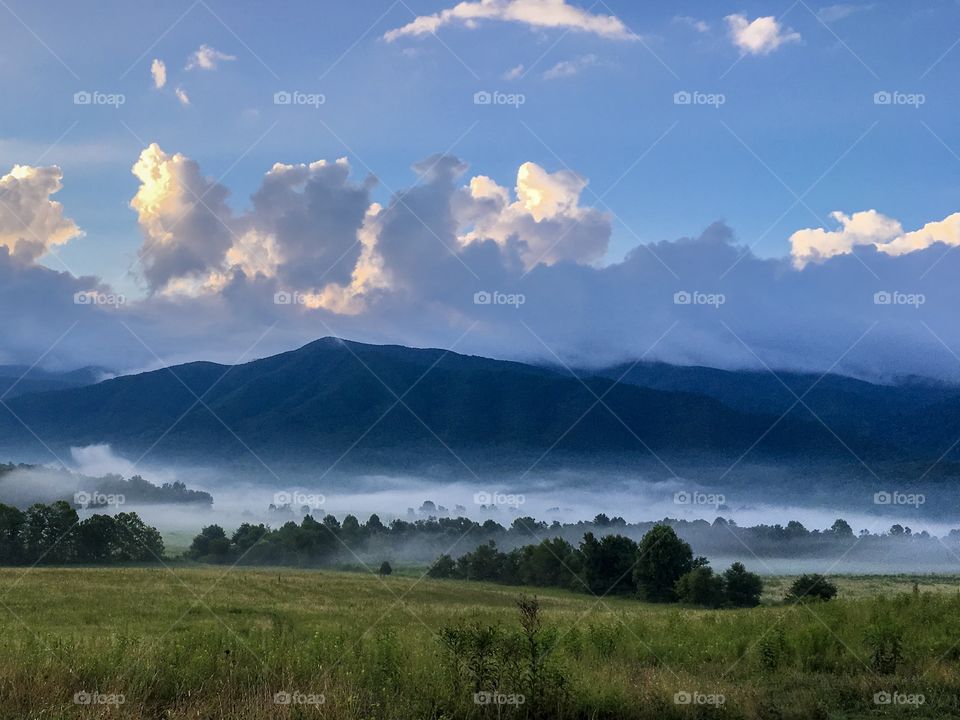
<point>53,534</point>
<point>660,568</point>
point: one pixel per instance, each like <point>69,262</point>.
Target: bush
<point>385,568</point>
<point>811,587</point>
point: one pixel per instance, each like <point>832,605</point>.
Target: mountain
<point>18,380</point>
<point>333,397</point>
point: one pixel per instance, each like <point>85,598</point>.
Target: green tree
<point>742,588</point>
<point>12,521</point>
<point>608,564</point>
<point>444,567</point>
<point>662,558</point>
<point>385,568</point>
<point>701,586</point>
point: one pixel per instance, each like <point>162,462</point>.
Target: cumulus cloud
<point>869,227</point>
<point>30,222</point>
<point>514,72</point>
<point>207,58</point>
<point>761,36</point>
<point>532,13</point>
<point>568,68</point>
<point>408,271</point>
<point>182,96</point>
<point>158,71</point>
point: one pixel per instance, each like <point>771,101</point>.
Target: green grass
<point>198,642</point>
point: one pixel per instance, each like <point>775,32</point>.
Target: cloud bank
<point>459,259</point>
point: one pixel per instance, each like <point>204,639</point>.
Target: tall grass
<point>198,643</point>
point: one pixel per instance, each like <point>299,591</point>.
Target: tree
<point>607,564</point>
<point>444,567</point>
<point>12,521</point>
<point>841,528</point>
<point>811,587</point>
<point>211,543</point>
<point>49,531</point>
<point>138,541</point>
<point>742,588</point>
<point>97,539</point>
<point>662,558</point>
<point>385,568</point>
<point>701,586</point>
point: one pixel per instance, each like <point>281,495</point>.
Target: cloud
<point>514,72</point>
<point>871,228</point>
<point>701,26</point>
<point>568,68</point>
<point>182,96</point>
<point>207,58</point>
<point>841,11</point>
<point>30,222</point>
<point>158,70</point>
<point>532,13</point>
<point>761,36</point>
<point>407,271</point>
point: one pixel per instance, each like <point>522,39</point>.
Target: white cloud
<point>701,26</point>
<point>841,11</point>
<point>30,222</point>
<point>532,13</point>
<point>514,72</point>
<point>568,68</point>
<point>182,96</point>
<point>207,58</point>
<point>158,70</point>
<point>761,36</point>
<point>869,227</point>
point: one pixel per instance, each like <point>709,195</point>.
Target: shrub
<point>811,587</point>
<point>741,588</point>
<point>701,586</point>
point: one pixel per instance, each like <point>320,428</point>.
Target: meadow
<point>194,641</point>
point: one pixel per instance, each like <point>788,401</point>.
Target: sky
<point>737,184</point>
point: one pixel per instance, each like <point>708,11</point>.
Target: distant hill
<point>333,396</point>
<point>16,380</point>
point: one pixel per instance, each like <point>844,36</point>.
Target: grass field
<point>203,642</point>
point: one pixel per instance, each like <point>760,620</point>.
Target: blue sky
<point>800,109</point>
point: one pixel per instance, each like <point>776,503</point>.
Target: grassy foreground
<point>199,642</point>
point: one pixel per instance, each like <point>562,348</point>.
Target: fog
<point>564,496</point>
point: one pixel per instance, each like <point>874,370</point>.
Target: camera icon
<point>482,298</point>
<point>482,97</point>
<point>882,498</point>
<point>682,298</point>
<point>82,498</point>
<point>882,98</point>
<point>682,97</point>
<point>283,298</point>
<point>682,698</point>
<point>682,498</point>
<point>82,298</point>
<point>82,98</point>
<point>882,698</point>
<point>282,98</point>
<point>882,298</point>
<point>82,698</point>
<point>482,498</point>
<point>282,498</point>
<point>282,698</point>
